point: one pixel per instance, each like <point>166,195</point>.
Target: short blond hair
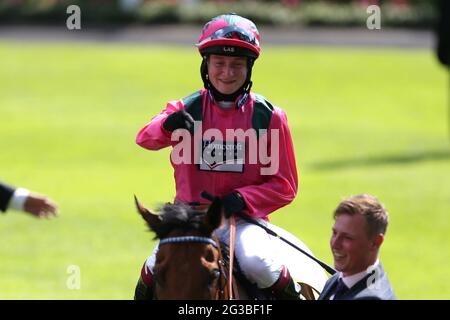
<point>368,206</point>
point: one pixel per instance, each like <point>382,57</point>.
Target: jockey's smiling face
<point>226,73</point>
<point>353,250</point>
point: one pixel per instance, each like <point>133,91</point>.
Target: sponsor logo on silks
<point>207,149</point>
<point>228,49</point>
<point>222,156</point>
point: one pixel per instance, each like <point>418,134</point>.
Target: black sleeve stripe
<point>193,105</point>
<point>262,114</point>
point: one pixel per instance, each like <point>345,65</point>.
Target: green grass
<point>362,120</point>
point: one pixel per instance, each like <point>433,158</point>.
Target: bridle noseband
<point>189,239</point>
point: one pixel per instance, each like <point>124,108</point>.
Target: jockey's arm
<point>280,187</point>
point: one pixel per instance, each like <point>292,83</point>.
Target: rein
<point>230,269</point>
<point>329,269</point>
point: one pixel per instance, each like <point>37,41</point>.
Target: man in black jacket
<point>23,200</point>
<point>358,232</point>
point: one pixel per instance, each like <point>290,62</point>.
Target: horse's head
<point>187,262</point>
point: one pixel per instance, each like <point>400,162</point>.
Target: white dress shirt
<point>350,281</point>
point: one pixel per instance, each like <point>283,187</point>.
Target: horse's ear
<point>149,217</point>
<point>213,218</point>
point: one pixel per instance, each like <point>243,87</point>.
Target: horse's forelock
<point>178,216</point>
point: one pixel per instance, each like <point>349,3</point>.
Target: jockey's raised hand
<point>179,120</point>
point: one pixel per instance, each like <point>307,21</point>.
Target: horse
<point>191,263</point>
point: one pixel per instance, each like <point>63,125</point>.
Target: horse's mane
<point>177,216</point>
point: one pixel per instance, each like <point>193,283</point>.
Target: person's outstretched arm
<point>23,200</point>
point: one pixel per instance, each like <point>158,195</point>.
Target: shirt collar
<point>350,281</point>
<point>240,101</point>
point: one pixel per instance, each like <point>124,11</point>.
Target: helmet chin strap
<point>245,88</point>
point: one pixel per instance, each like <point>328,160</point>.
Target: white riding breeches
<point>255,251</point>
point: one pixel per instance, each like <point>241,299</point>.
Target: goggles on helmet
<point>233,32</point>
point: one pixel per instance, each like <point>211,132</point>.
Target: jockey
<point>228,130</point>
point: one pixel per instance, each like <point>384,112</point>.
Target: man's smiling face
<point>353,250</point>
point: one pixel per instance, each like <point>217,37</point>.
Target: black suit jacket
<point>443,32</point>
<point>6,193</point>
<point>381,290</point>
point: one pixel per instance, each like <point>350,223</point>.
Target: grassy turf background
<point>362,120</point>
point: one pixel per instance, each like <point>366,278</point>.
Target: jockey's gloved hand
<point>232,203</point>
<point>179,120</point>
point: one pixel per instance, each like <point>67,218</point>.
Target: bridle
<point>223,291</point>
<point>189,239</point>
